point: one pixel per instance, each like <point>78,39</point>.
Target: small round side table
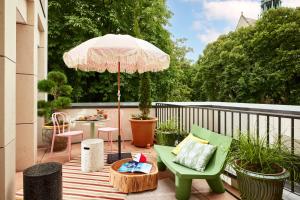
<point>92,155</point>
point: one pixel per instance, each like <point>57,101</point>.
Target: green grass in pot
<point>167,133</point>
<point>261,167</point>
<point>255,155</point>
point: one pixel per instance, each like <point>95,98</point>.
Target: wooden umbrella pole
<point>111,158</point>
<point>119,117</point>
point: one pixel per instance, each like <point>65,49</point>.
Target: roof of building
<point>245,22</point>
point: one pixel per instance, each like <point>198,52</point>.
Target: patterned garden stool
<point>92,155</point>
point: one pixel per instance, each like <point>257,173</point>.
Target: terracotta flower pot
<point>143,132</point>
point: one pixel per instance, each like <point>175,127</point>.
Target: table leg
<point>92,130</point>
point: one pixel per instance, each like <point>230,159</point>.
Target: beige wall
<point>26,89</point>
<point>7,98</point>
<point>112,122</point>
<point>23,29</point>
<point>31,66</point>
<point>21,12</point>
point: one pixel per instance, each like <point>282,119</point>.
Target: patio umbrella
<point>116,54</point>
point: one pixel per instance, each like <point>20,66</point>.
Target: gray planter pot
<point>257,186</point>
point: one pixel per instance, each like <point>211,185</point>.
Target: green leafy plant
<point>144,97</point>
<point>255,155</point>
<point>58,90</point>
<point>169,125</point>
<point>169,134</point>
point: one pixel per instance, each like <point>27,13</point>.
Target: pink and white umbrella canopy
<point>106,52</point>
<point>117,53</point>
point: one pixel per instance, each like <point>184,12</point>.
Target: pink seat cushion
<point>107,129</point>
<point>69,133</point>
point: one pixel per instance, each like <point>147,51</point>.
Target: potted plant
<point>58,98</point>
<point>142,125</point>
<point>262,169</point>
<point>168,133</point>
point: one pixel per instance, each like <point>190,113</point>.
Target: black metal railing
<point>230,119</point>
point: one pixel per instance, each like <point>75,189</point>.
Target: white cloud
<point>291,3</point>
<point>210,35</point>
<point>197,25</point>
<point>227,12</point>
<point>230,10</point>
<point>192,1</point>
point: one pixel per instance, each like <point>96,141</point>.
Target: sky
<point>203,21</point>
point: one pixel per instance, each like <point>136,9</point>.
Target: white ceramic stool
<point>92,155</point>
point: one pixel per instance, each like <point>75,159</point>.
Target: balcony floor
<point>203,191</point>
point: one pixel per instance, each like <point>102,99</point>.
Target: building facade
<point>245,22</point>
<point>268,4</point>
<point>23,61</point>
<point>265,5</point>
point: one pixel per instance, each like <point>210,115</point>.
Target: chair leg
<point>161,166</point>
<point>216,184</point>
<point>183,188</point>
<point>52,144</point>
<point>111,143</point>
<point>69,147</point>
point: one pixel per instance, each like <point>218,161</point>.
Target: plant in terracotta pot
<point>262,169</point>
<point>58,98</point>
<point>142,125</point>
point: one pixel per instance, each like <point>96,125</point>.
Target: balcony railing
<point>273,122</point>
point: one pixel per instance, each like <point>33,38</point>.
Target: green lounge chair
<point>184,175</point>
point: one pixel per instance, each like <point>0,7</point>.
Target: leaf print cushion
<point>195,155</point>
<point>189,137</point>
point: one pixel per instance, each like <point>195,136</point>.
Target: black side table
<point>43,182</point>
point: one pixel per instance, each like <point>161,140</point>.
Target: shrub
<point>58,90</point>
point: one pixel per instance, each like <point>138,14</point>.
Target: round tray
<point>133,182</point>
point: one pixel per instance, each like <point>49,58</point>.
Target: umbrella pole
<point>119,117</point>
<point>118,156</point>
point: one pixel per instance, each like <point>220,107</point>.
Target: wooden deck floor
<point>203,191</point>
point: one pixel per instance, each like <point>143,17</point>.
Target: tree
<point>258,64</point>
<point>73,22</point>
<point>145,96</point>
<point>56,85</point>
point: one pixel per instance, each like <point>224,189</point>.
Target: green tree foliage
<point>72,22</point>
<point>258,64</point>
<point>145,95</point>
<point>56,85</point>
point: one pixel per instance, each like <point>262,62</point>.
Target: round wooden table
<point>133,182</point>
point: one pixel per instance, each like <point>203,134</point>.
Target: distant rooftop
<point>245,22</point>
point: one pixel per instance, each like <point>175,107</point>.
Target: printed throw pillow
<point>195,155</point>
<point>189,137</point>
